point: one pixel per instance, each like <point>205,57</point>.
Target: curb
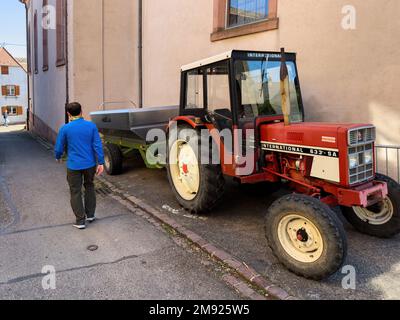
<point>246,272</point>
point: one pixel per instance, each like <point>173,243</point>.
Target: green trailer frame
<point>128,146</point>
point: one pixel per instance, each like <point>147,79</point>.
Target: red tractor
<point>250,104</point>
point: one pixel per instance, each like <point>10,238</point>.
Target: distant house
<point>13,83</point>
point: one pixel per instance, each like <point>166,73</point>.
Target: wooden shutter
<point>35,39</point>
<point>4,70</point>
<point>4,90</point>
<point>61,10</point>
<point>45,37</point>
<point>17,90</point>
<point>3,110</point>
<point>20,111</point>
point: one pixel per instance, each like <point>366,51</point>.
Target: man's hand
<point>100,170</point>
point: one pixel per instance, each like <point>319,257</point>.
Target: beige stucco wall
<point>348,76</point>
<point>119,55</point>
<point>48,89</point>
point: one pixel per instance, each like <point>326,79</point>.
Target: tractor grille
<point>362,136</point>
<point>363,172</point>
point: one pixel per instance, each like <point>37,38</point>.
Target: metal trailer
<point>125,131</point>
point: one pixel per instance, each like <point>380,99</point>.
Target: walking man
<point>5,115</point>
<point>81,140</point>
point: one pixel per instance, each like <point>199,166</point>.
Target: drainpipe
<point>140,52</point>
<point>66,63</point>
<point>29,67</point>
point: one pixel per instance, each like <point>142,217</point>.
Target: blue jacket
<point>81,140</point>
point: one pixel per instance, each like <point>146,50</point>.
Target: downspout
<point>29,67</point>
<point>140,52</point>
<point>102,54</point>
<point>66,63</point>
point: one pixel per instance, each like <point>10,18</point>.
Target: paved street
<point>237,226</point>
<point>134,260</point>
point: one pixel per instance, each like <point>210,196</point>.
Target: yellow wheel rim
<point>378,214</point>
<point>300,238</point>
<point>184,169</point>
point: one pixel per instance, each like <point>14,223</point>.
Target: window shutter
<point>61,12</point>
<point>4,90</point>
<point>19,111</point>
<point>17,90</point>
<point>45,41</point>
<point>4,70</point>
<point>3,110</point>
<point>35,39</point>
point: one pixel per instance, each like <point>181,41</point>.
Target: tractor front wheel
<point>381,220</point>
<point>306,236</point>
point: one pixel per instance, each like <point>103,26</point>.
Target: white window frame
<point>11,91</point>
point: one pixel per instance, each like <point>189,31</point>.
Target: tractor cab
<point>240,90</point>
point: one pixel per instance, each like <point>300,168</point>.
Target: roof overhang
<point>208,61</point>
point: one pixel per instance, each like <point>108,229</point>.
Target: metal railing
<point>391,161</point>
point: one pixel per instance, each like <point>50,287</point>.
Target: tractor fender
<point>190,120</point>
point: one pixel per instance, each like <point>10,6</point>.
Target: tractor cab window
<point>218,95</point>
<point>194,90</point>
<point>258,87</point>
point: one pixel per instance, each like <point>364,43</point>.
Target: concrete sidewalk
<point>134,260</point>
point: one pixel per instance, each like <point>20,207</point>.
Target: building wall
<point>104,55</point>
<point>16,76</point>
<point>346,76</point>
<point>48,88</point>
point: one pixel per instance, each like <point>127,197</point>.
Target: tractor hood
<point>313,134</point>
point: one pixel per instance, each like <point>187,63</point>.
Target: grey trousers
<point>77,179</point>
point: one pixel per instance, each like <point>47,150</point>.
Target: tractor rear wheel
<point>381,220</point>
<point>113,159</point>
<point>198,187</point>
<point>306,236</point>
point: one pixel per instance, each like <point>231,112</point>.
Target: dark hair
<point>74,109</point>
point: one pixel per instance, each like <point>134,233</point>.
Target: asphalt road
<point>134,259</point>
<point>237,226</point>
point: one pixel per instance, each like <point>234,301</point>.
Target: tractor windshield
<point>258,87</point>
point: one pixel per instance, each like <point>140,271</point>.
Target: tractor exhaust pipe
<point>285,93</point>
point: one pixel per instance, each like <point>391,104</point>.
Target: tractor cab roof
<point>229,54</point>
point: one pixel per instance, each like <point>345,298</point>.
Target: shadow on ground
<point>237,226</point>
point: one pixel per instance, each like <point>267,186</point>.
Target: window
<point>45,37</point>
<point>61,10</point>
<point>12,110</point>
<point>10,91</point>
<point>35,40</point>
<point>218,88</point>
<point>5,70</point>
<point>258,87</point>
<point>246,11</point>
<point>234,18</point>
<point>194,90</point>
<point>218,94</point>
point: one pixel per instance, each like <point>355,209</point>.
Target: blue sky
<point>12,26</point>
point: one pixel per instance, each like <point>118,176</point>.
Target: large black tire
<point>113,159</point>
<point>327,246</point>
<point>387,227</point>
<point>211,180</point>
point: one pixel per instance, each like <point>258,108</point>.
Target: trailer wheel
<point>381,220</point>
<point>306,236</point>
<point>112,159</point>
<point>198,187</point>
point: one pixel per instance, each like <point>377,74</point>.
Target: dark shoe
<point>80,226</point>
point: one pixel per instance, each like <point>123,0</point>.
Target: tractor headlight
<point>369,157</point>
<point>353,161</point>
